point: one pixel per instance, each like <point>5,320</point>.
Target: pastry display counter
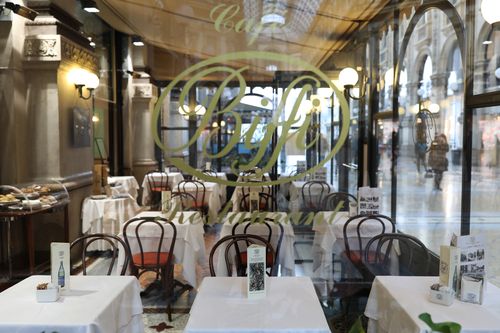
<point>25,203</point>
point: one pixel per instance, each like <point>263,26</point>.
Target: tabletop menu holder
<point>256,271</point>
<point>60,265</point>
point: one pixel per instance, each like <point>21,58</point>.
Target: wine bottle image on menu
<point>60,275</point>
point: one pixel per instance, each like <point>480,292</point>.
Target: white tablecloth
<point>291,305</point>
<point>287,253</point>
<point>395,303</point>
<point>173,179</point>
<point>95,304</point>
<point>295,191</point>
<point>107,215</point>
<point>189,249</point>
<point>212,197</point>
<point>329,238</point>
<point>124,184</point>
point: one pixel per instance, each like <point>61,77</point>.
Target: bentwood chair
<point>313,193</point>
<point>158,182</point>
<point>114,242</point>
<point>153,257</point>
<point>267,202</point>
<point>198,191</point>
<point>366,226</point>
<point>227,243</point>
<point>266,225</point>
<point>185,200</point>
<point>332,200</point>
<point>411,255</point>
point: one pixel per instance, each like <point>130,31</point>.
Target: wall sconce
<point>25,12</point>
<point>348,78</point>
<point>186,112</point>
<point>83,78</point>
<point>490,9</point>
<point>90,6</point>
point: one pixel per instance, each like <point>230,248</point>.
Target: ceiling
<point>181,33</point>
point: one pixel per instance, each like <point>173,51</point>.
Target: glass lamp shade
<point>490,9</point>
<point>434,108</point>
<point>78,76</point>
<point>184,110</point>
<point>348,77</point>
<point>200,110</point>
<point>92,81</point>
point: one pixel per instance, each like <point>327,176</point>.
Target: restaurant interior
<point>250,165</point>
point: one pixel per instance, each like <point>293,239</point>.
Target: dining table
<point>124,184</point>
<point>395,302</point>
<point>328,227</point>
<point>189,248</point>
<point>94,304</point>
<point>213,196</point>
<point>295,203</point>
<point>287,251</point>
<point>102,214</point>
<point>290,305</point>
<point>173,179</point>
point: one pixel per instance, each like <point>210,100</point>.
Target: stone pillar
<point>142,103</point>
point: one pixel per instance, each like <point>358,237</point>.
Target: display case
<point>23,204</point>
<point>33,196</point>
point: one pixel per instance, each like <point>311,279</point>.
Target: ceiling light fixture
<point>25,12</point>
<point>90,6</point>
<point>137,41</point>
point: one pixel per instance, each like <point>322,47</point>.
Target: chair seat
<point>356,257</point>
<point>269,258</point>
<point>150,259</point>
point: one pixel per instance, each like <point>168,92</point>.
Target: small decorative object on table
<point>441,294</point>
<point>47,292</point>
<point>472,288</point>
<point>256,271</point>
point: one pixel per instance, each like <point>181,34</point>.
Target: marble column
<point>142,103</point>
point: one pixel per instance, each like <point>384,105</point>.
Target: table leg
<point>30,240</point>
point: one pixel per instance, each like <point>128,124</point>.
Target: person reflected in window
<point>437,158</point>
<point>421,144</point>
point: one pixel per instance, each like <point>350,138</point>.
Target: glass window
<point>429,181</point>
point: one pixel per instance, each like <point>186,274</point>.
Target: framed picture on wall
<point>81,128</point>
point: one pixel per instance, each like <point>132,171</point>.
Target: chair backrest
<point>331,201</point>
<point>113,241</point>
<point>186,200</point>
<point>372,225</point>
<point>267,202</point>
<point>150,225</point>
<point>244,226</point>
<point>413,257</point>
<point>231,241</point>
<point>157,181</point>
<point>195,188</point>
<point>313,193</point>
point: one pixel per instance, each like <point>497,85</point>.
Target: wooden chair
<point>413,257</point>
<point>156,260</point>
<point>158,182</point>
<point>356,255</point>
<point>228,242</point>
<point>113,241</point>
<point>198,191</point>
<point>186,201</point>
<point>267,202</point>
<point>313,193</point>
<point>245,226</point>
<point>331,201</point>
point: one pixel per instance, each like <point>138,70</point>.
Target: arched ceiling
<point>182,32</point>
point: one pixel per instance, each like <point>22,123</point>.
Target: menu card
<point>320,174</point>
<point>166,200</point>
<point>60,265</point>
<point>472,256</point>
<point>256,271</point>
<point>254,201</point>
<point>369,200</point>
